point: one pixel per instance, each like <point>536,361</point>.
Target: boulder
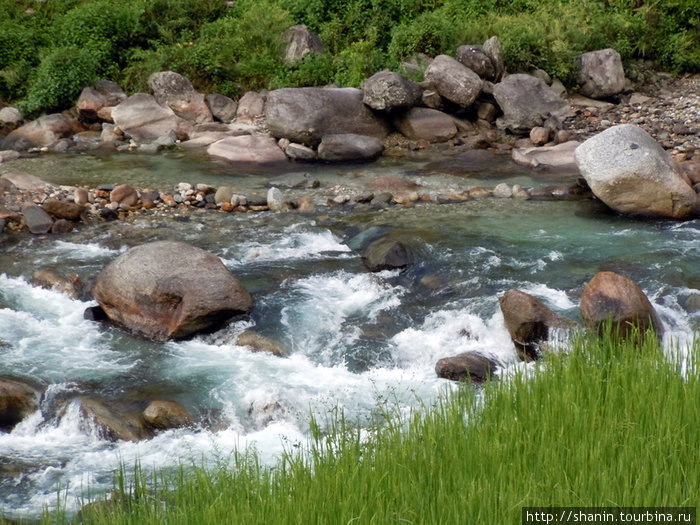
<point>90,102</point>
<point>631,173</point>
<point>476,59</point>
<point>37,220</point>
<point>18,399</point>
<point>349,147</point>
<point>164,415</point>
<point>61,226</point>
<point>559,158</point>
<point>305,115</point>
<point>260,343</point>
<point>528,322</point>
<point>275,199</point>
<point>426,124</point>
<point>600,73</point>
<point>387,90</point>
<point>251,106</point>
<point>10,119</point>
<point>175,91</point>
<point>618,300</point>
<point>251,149</point>
<point>222,107</point>
<point>144,120</point>
<point>70,285</point>
<point>113,421</point>
<point>124,195</point>
<point>299,152</point>
<point>493,48</point>
<point>453,81</point>
<point>300,42</point>
<point>26,181</point>
<point>169,290</point>
<point>386,253</point>
<point>8,155</point>
<point>527,102</point>
<point>63,209</point>
<point>42,132</point>
<point>469,366</point>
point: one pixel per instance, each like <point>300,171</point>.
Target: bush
<point>60,78</point>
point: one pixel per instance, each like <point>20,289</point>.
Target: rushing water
<point>356,339</point>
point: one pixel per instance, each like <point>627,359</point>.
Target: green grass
<point>611,424</point>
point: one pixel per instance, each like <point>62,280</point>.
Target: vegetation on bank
<point>50,49</point>
<point>611,424</point>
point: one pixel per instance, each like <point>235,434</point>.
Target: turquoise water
<point>355,339</point>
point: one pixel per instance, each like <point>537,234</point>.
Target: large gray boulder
<point>526,102</point>
<point>249,149</point>
<point>36,219</point>
<point>387,90</point>
<point>618,300</point>
<point>630,172</point>
<point>42,132</point>
<point>169,290</point>
<point>222,107</point>
<point>144,120</point>
<point>454,81</point>
<point>342,147</point>
<point>300,42</point>
<point>175,91</point>
<point>305,115</point>
<point>426,124</point>
<point>476,59</point>
<point>600,73</point>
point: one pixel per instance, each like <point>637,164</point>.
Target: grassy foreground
<point>611,424</point>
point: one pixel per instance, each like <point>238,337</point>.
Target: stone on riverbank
<point>476,59</point>
<point>454,81</point>
<point>616,299</point>
<point>559,158</point>
<point>36,219</point>
<point>250,149</point>
<point>10,119</point>
<point>630,172</point>
<point>348,147</point>
<point>40,133</point>
<point>222,107</point>
<point>169,290</point>
<point>426,124</point>
<point>306,114</point>
<point>600,73</point>
<point>18,399</point>
<point>144,120</point>
<point>387,90</point>
<point>175,91</point>
<point>468,366</point>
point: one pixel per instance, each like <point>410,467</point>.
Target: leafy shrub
<point>429,33</point>
<point>60,78</point>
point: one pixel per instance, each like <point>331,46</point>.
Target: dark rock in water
<point>62,226</point>
<point>528,322</point>
<point>114,421</point>
<point>95,313</point>
<point>358,240</point>
<point>474,367</point>
<point>386,253</point>
<point>164,415</point>
<point>3,223</point>
<point>37,220</point>
<point>169,290</point>
<point>18,399</point>
<point>615,299</point>
<point>63,209</point>
<point>108,214</point>
<point>294,180</point>
<point>562,192</point>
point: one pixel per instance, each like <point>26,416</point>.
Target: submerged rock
<point>18,399</point>
<point>468,366</point>
<point>618,300</point>
<point>248,149</point>
<point>169,290</point>
<point>348,147</point>
<point>259,343</point>
<point>386,253</point>
<point>112,421</point>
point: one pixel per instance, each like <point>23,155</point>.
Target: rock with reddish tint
<point>175,91</point>
<point>63,209</point>
<point>248,149</point>
<point>260,343</point>
<point>70,285</point>
<point>164,415</point>
<point>528,322</point>
<point>62,226</point>
<point>81,196</point>
<point>387,90</point>
<point>348,147</point>
<point>124,195</point>
<point>470,366</point>
<point>630,172</point>
<point>251,106</point>
<point>305,115</point>
<point>539,135</point>
<point>115,421</point>
<point>610,298</point>
<point>89,104</point>
<point>453,81</point>
<point>393,183</point>
<point>36,219</point>
<point>42,132</point>
<point>169,290</point>
<point>143,119</point>
<point>18,399</point>
<point>426,124</point>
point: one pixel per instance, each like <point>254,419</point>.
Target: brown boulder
<point>163,415</point>
<point>113,421</point>
<point>18,399</point>
<point>528,322</point>
<point>260,343</point>
<point>468,366</point>
<point>613,298</point>
<point>63,209</point>
<point>42,132</point>
<point>169,290</point>
<point>125,195</point>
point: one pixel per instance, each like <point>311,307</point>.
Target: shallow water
<point>356,339</point>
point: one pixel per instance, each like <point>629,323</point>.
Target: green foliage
<point>429,33</point>
<point>60,78</point>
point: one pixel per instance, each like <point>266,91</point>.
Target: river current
<point>356,340</point>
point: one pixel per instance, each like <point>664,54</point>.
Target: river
<point>356,340</point>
